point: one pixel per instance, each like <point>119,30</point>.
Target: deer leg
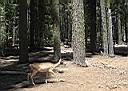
<point>46,81</point>
<point>32,75</point>
<point>47,74</point>
<point>53,73</point>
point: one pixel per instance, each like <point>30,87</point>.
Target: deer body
<point>44,68</point>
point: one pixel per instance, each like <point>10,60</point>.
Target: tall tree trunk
<point>56,28</point>
<point>23,41</point>
<point>14,32</point>
<point>2,27</point>
<point>119,32</point>
<point>32,21</point>
<point>119,29</point>
<point>127,30</point>
<point>127,21</point>
<point>41,21</point>
<point>66,23</point>
<point>69,24</point>
<point>37,25</point>
<point>104,27</point>
<point>110,34</point>
<point>78,33</point>
<point>92,25</point>
<point>61,22</point>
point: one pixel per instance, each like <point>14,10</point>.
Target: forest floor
<point>103,74</point>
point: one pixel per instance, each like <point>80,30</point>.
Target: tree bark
<point>78,33</point>
<point>104,27</point>
<point>92,25</point>
<point>37,25</point>
<point>127,21</point>
<point>23,40</point>
<point>119,29</point>
<point>56,28</point>
<point>32,28</point>
<point>3,32</point>
<point>111,50</point>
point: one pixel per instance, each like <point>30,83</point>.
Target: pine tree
<point>119,24</point>
<point>23,41</point>
<point>92,24</point>
<point>110,33</point>
<point>104,26</point>
<point>78,33</point>
<point>126,1</point>
<point>56,29</point>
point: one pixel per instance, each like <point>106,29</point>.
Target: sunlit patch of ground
<point>104,74</point>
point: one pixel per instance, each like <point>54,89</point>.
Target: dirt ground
<point>103,74</point>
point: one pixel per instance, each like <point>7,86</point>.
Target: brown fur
<point>44,68</point>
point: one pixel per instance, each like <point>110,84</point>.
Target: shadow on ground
<point>9,80</point>
<point>18,77</point>
<point>14,76</point>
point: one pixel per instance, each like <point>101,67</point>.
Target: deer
<point>43,68</point>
